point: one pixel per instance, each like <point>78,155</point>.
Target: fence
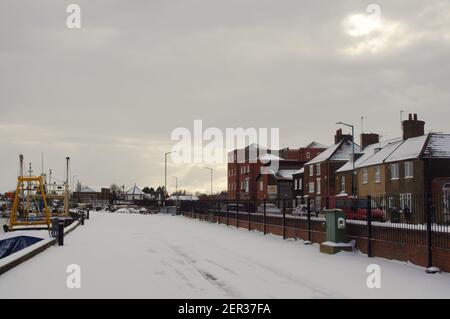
<point>412,227</point>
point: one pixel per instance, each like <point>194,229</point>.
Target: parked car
<point>270,209</point>
<point>232,207</point>
<point>300,210</point>
<point>356,208</point>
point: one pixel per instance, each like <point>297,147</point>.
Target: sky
<point>110,93</point>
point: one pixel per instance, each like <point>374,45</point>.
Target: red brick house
<point>320,172</point>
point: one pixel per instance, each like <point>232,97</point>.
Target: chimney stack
<point>369,139</point>
<point>412,127</point>
<point>339,136</point>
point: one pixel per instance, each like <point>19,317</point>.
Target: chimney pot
<point>410,117</point>
<point>415,116</point>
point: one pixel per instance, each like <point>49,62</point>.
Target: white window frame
<point>300,183</point>
<point>318,169</point>
<point>261,186</point>
<point>406,201</point>
<point>311,187</point>
<point>378,174</point>
<point>311,170</point>
<point>342,183</point>
<point>365,175</point>
<point>409,169</point>
<point>318,185</point>
<point>395,169</point>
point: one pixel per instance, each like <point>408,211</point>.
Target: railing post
<point>308,208</point>
<point>284,218</point>
<point>218,211</point>
<point>237,213</point>
<point>369,226</point>
<point>429,201</point>
<point>264,217</point>
<point>248,215</point>
<point>227,203</point>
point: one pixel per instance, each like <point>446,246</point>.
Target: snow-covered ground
<point>160,256</point>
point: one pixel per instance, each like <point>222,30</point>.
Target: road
<point>157,256</point>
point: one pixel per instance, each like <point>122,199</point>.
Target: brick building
<point>320,172</point>
<point>244,167</point>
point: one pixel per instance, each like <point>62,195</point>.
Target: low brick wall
<point>394,247</point>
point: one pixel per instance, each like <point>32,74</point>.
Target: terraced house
<point>402,172</point>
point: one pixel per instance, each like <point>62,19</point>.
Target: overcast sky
<point>109,94</point>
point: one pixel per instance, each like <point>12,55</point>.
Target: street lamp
<point>211,170</point>
<point>353,155</point>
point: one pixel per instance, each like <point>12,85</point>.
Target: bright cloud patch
<point>369,33</point>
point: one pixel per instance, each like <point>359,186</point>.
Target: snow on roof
<point>410,148</point>
<point>380,155</point>
<point>438,146</point>
<point>283,173</point>
<point>315,145</point>
<point>87,190</point>
<point>367,153</point>
<point>135,191</point>
<point>337,152</point>
<point>300,171</point>
<point>269,157</point>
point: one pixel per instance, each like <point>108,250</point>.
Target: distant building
<point>244,168</point>
<point>134,193</point>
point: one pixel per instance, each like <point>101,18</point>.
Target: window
<point>318,186</point>
<point>247,184</point>
<point>365,175</point>
<point>261,186</point>
<point>311,187</point>
<point>394,171</point>
<point>409,170</point>
<point>300,183</point>
<point>308,155</point>
<point>318,169</point>
<point>343,184</point>
<point>377,174</point>
<point>406,202</point>
<point>311,170</point>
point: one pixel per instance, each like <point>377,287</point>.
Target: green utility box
<point>335,225</point>
<point>336,240</point>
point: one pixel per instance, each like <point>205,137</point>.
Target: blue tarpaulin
<point>11,245</point>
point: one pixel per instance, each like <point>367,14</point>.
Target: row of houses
<point>414,163</point>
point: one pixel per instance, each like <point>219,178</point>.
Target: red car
<point>356,208</point>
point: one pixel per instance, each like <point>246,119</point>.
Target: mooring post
<point>60,232</point>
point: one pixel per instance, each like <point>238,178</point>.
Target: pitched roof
<point>87,190</point>
<point>438,146</point>
<point>337,152</point>
<point>426,146</point>
<point>269,157</point>
<point>135,191</point>
<point>368,152</point>
<point>315,145</point>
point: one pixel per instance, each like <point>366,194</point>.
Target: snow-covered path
<point>157,256</point>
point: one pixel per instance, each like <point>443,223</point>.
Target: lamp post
<point>353,155</point>
<point>211,170</point>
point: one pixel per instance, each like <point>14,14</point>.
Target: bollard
<point>87,215</point>
<point>82,218</point>
<point>60,232</point>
